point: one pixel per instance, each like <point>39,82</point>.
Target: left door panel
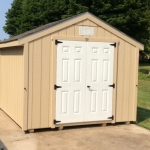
<point>71,76</point>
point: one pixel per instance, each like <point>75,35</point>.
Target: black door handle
<point>88,86</point>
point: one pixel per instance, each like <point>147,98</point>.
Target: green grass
<point>144,66</point>
<point>143,111</point>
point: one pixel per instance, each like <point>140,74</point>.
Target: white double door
<point>84,72</point>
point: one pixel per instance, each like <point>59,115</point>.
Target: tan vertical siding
<point>30,90</point>
<point>132,83</point>
<point>79,23</point>
<point>45,82</point>
<point>70,31</point>
<point>36,101</point>
<point>120,80</point>
<point>126,85</point>
<point>0,79</point>
<point>12,83</point>
<point>51,82</point>
<point>26,84</point>
<point>86,22</point>
<point>77,31</point>
<point>107,34</point>
<point>100,32</point>
<point>39,76</point>
<point>62,32</point>
<point>135,83</point>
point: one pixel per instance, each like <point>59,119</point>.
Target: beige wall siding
<point>12,82</point>
<point>39,83</point>
<point>126,84</point>
<point>0,79</point>
<point>42,80</point>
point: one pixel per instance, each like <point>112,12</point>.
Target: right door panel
<point>99,76</point>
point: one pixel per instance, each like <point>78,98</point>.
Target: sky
<point>4,6</point>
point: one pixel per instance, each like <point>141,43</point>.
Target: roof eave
<point>10,44</point>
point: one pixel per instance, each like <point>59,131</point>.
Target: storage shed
<point>75,71</point>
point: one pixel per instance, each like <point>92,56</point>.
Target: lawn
<point>143,111</point>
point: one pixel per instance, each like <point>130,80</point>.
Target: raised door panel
<point>99,77</point>
<point>71,72</point>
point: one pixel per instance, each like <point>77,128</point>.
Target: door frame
<point>53,77</point>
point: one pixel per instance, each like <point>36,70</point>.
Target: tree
<point>13,18</point>
<point>130,16</point>
<point>25,15</point>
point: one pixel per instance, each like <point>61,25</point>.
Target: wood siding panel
<point>86,22</point>
<point>79,23</point>
<point>62,32</point>
<point>108,34</point>
<point>0,80</point>
<point>36,104</point>
<point>26,89</point>
<point>136,83</point>
<point>92,24</point>
<point>30,90</point>
<point>70,31</point>
<point>120,90</point>
<point>95,32</point>
<point>45,86</point>
<point>76,32</point>
<point>39,87</point>
<point>126,83</point>
<point>12,83</point>
<point>132,83</point>
<point>51,83</point>
<point>100,32</point>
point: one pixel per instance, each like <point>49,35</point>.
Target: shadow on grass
<point>142,114</point>
<point>145,64</point>
<point>2,146</point>
<point>145,71</point>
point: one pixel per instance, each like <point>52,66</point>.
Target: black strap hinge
<point>114,44</point>
<point>112,117</point>
<point>56,121</point>
<point>56,87</point>
<point>113,85</point>
<point>57,42</point>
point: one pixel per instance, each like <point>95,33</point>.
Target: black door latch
<point>112,117</point>
<point>56,87</point>
<point>56,121</point>
<point>57,42</point>
<point>114,44</point>
<point>113,85</point>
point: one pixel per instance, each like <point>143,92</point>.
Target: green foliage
<point>74,8</point>
<point>144,76</point>
<point>130,16</point>
<point>13,18</point>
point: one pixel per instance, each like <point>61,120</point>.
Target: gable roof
<point>54,24</point>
